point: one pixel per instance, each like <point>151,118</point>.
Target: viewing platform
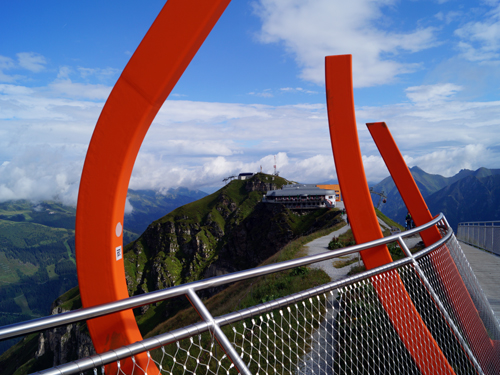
<point>486,267</point>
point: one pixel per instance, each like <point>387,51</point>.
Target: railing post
<point>221,338</point>
<point>484,230</point>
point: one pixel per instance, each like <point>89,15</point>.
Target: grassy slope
<point>254,291</point>
<point>199,214</point>
<point>237,296</point>
<point>27,233</point>
<point>388,221</point>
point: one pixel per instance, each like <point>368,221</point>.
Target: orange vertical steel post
<point>363,219</point>
<point>147,80</point>
<point>474,330</point>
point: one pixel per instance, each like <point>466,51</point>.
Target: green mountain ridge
<point>226,231</point>
<point>37,248</point>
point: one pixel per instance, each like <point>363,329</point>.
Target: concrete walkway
<point>320,245</point>
<point>486,266</point>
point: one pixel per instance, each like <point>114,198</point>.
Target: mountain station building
<point>301,197</point>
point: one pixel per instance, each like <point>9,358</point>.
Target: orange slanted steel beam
<point>489,353</point>
<point>152,72</point>
<point>350,172</point>
<point>403,179</point>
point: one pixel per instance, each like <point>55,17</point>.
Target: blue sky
<point>255,90</point>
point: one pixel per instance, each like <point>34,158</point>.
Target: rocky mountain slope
<point>227,231</point>
<point>469,199</point>
<point>436,192</point>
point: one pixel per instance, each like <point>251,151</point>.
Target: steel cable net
<point>460,293</point>
<point>345,331</point>
<point>476,292</point>
<point>348,330</point>
<point>341,332</point>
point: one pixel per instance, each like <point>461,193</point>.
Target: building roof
<point>299,189</point>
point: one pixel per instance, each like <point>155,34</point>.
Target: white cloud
<point>480,40</point>
<point>7,63</point>
<point>34,62</point>
<point>432,93</point>
<point>65,87</point>
<point>297,90</point>
<point>101,74</point>
<point>439,128</point>
<point>313,29</point>
<point>128,207</point>
<point>38,173</point>
<point>450,161</point>
<point>263,94</point>
<point>43,140</point>
<point>269,93</point>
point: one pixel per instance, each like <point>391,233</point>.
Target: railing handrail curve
<point>479,222</point>
<point>148,344</point>
<point>40,324</point>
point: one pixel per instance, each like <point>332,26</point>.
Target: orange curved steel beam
<point>466,311</point>
<point>365,227</point>
<point>348,160</point>
<point>147,80</point>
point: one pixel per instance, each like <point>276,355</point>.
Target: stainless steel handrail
<point>70,317</point>
<point>98,360</point>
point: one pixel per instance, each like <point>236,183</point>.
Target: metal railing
<point>214,324</point>
<point>483,234</point>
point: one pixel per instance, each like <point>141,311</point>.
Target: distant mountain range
<point>37,248</point>
<point>467,196</point>
<point>149,205</point>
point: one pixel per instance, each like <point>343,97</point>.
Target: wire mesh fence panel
<point>435,322</point>
<point>462,232</point>
<point>476,292</point>
<point>366,326</point>
<point>199,354</point>
<point>444,276</point>
<point>483,234</point>
<point>475,236</point>
<point>368,342</point>
<point>344,332</point>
